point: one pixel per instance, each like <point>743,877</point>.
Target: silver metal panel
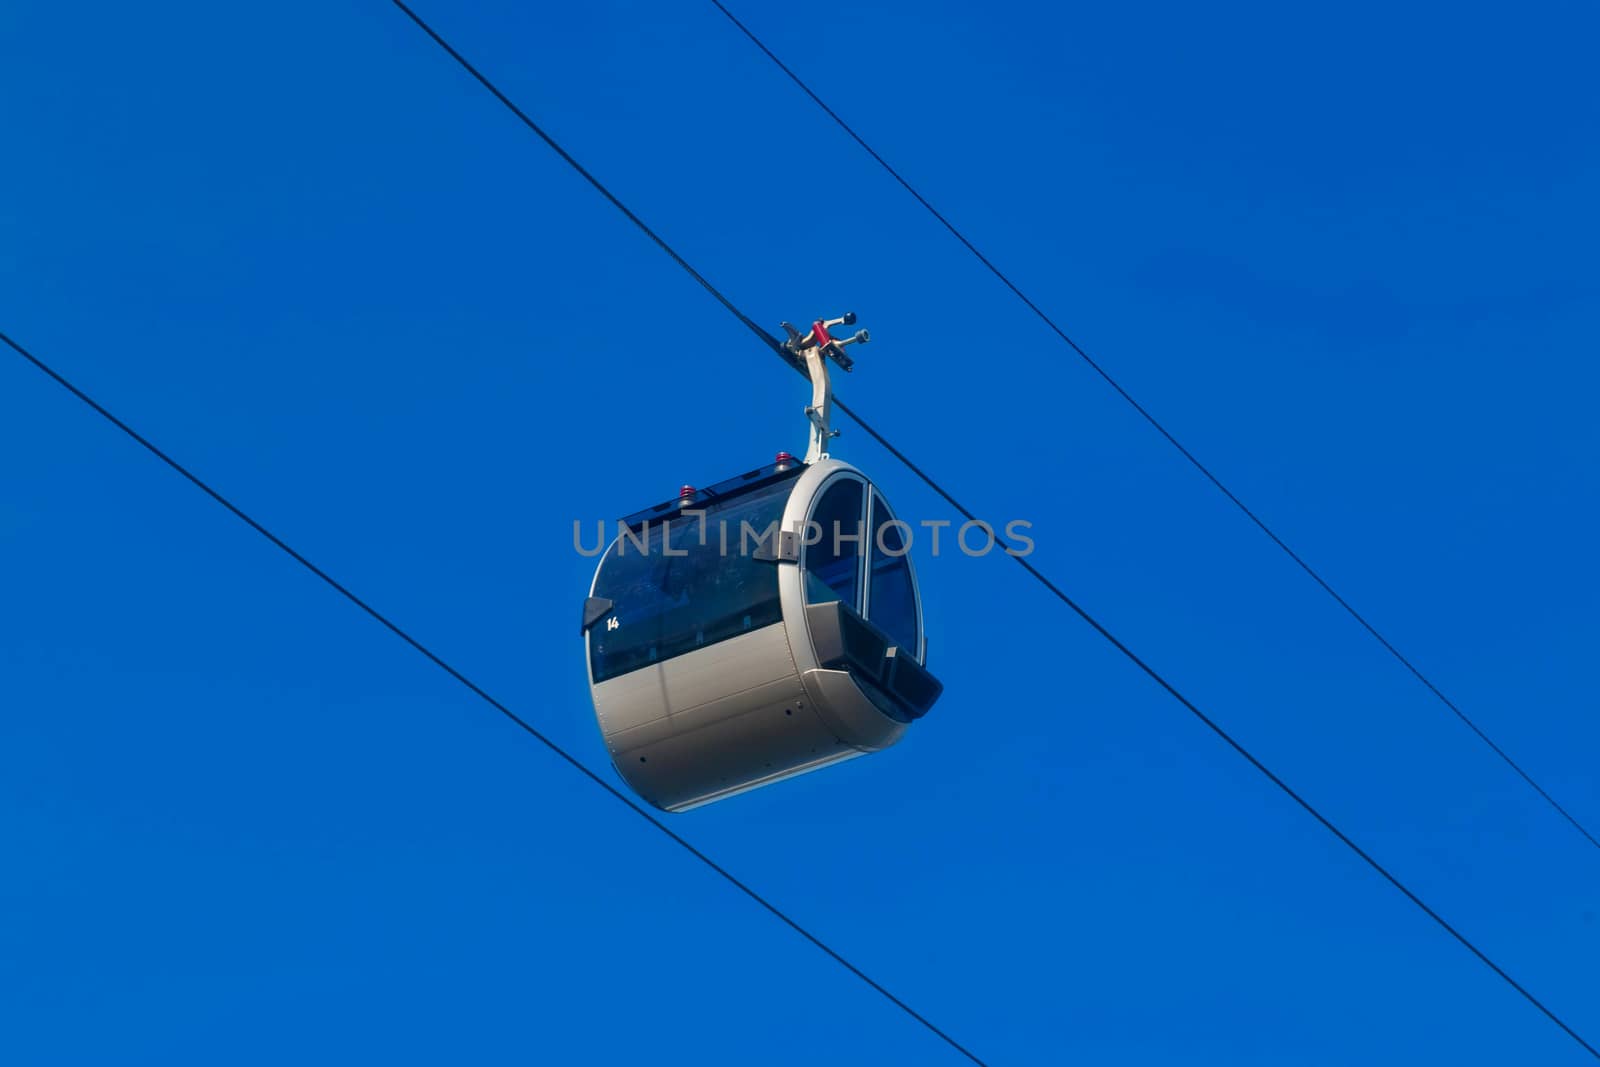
<point>714,721</point>
<point>785,691</point>
<point>685,683</point>
<point>630,700</point>
<point>824,761</point>
<point>849,713</point>
<point>761,744</point>
<point>732,666</point>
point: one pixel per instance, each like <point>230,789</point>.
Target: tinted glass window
<point>666,605</point>
<point>892,606</point>
<point>833,563</point>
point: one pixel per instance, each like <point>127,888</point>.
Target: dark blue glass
<point>665,605</point>
<point>892,606</point>
<point>833,562</point>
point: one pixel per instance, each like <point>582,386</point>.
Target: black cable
<point>1162,430</point>
<point>1030,568</point>
<point>478,691</point>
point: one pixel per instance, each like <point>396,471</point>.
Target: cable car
<point>764,627</point>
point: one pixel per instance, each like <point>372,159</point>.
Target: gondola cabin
<point>765,627</point>
<point>746,633</point>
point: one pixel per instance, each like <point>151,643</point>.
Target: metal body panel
<point>726,669</point>
<point>848,712</point>
<point>748,710</point>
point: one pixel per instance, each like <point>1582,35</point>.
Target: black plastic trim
<point>595,608</point>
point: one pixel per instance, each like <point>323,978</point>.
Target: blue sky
<point>1346,255</point>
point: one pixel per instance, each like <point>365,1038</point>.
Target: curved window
<point>690,585</point>
<point>833,556</point>
<point>891,598</point>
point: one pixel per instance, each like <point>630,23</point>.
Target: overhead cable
<point>1022,561</point>
<point>1099,369</point>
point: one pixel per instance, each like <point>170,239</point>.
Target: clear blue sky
<point>1346,254</point>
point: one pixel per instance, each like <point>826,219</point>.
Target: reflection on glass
<point>892,606</point>
<point>666,605</point>
<point>832,564</point>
